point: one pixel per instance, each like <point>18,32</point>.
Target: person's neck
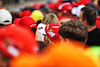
<point>90,28</point>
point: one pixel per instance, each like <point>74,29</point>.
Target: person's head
<point>88,15</point>
<point>50,18</point>
<point>75,30</point>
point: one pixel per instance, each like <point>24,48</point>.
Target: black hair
<point>75,30</point>
<point>89,14</point>
<point>33,29</point>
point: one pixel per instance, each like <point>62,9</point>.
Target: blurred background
<point>14,4</point>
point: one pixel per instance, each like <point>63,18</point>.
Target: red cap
<point>25,13</point>
<point>28,22</point>
<point>57,5</point>
<point>52,31</point>
<point>16,21</point>
<point>66,8</point>
<point>36,6</point>
<point>98,22</point>
<point>51,6</point>
<point>14,40</point>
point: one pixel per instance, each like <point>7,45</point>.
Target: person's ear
<point>85,22</point>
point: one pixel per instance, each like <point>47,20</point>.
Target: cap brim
<point>41,28</point>
<point>73,11</point>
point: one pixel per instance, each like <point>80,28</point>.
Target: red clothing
<point>98,22</point>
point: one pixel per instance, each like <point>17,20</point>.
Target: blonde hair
<point>50,18</point>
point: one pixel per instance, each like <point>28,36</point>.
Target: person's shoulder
<point>97,31</point>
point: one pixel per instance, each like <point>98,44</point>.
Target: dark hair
<point>42,45</point>
<point>99,3</point>
<point>75,30</point>
<point>64,1</point>
<point>1,25</point>
<point>92,5</point>
<point>89,14</point>
<point>33,30</point>
<point>5,58</point>
<point>38,22</point>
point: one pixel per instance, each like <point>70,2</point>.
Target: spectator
<point>88,16</point>
<point>48,18</point>
<point>74,30</point>
<point>13,42</point>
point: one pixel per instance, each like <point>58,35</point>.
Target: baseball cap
<point>37,15</point>
<point>28,22</point>
<point>57,5</point>
<point>76,10</point>
<point>16,40</point>
<point>25,13</point>
<point>41,28</point>
<point>16,21</point>
<point>52,31</point>
<point>40,32</point>
<point>5,17</point>
<point>36,6</point>
<point>66,7</point>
